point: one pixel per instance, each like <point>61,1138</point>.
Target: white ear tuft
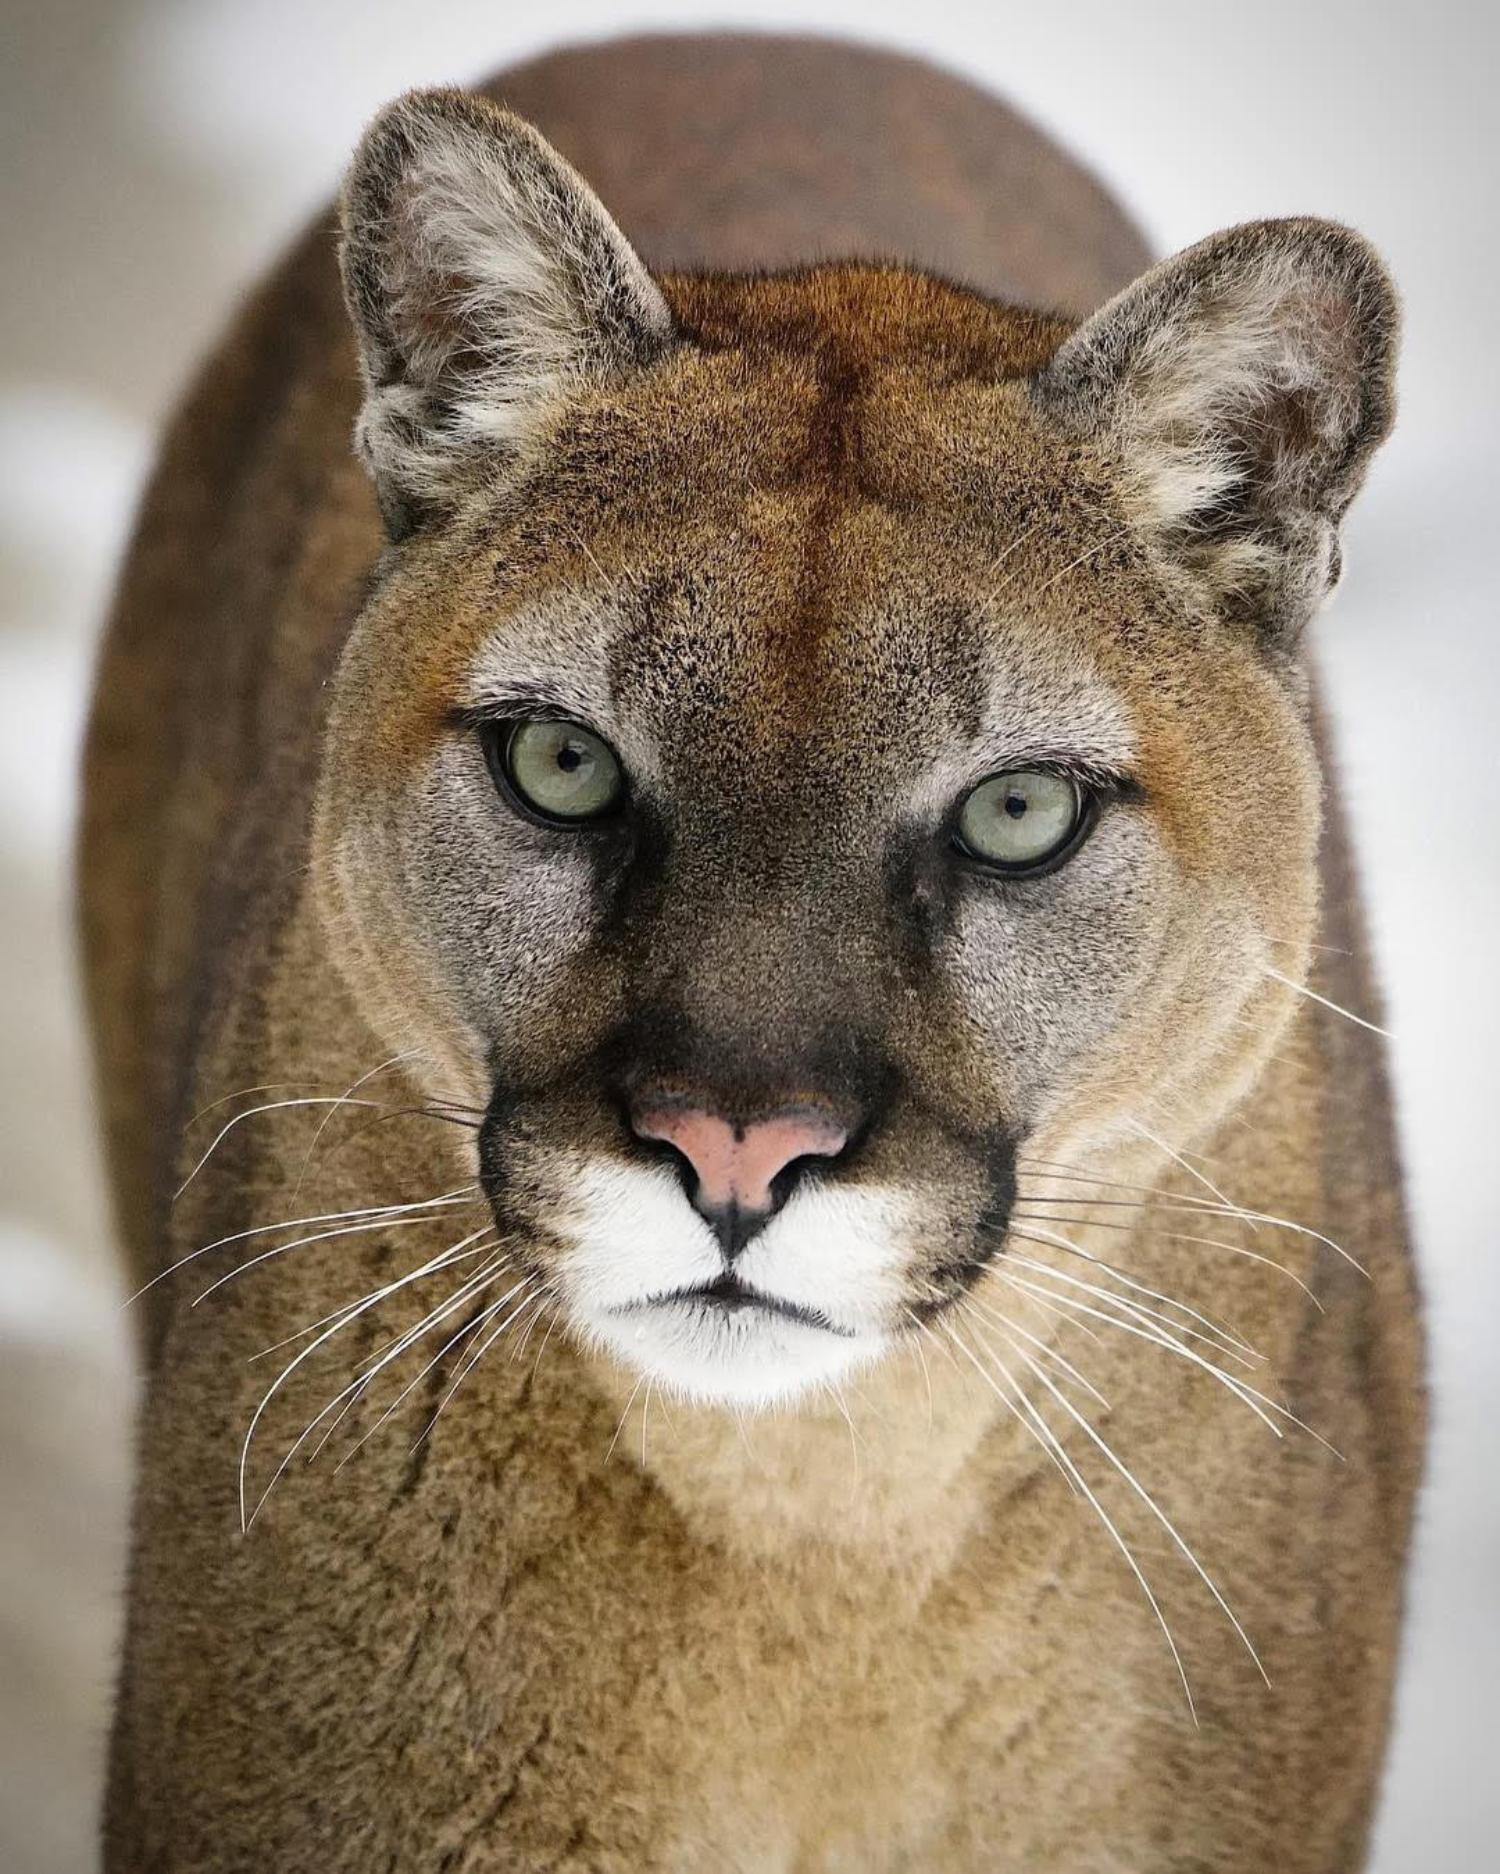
<point>486,283</point>
<point>1241,389</point>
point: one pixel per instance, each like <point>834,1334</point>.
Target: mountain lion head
<point>822,748</point>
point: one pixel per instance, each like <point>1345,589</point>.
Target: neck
<point>887,1470</point>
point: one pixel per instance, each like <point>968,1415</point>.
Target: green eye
<point>560,770</point>
<point>1021,821</point>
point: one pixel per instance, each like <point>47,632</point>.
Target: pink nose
<point>735,1165</point>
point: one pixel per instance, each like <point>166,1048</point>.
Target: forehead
<point>833,504</point>
<point>777,623</point>
<point>832,511</point>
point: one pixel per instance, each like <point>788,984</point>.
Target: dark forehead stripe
<point>843,331</point>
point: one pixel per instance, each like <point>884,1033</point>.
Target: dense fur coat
<point>1009,1467</point>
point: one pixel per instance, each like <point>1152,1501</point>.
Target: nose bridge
<point>757,965</point>
<point>787,933</point>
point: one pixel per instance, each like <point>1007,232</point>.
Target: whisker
<point>302,1242</point>
<point>268,1086</point>
<point>1153,1506</point>
<point>395,1060</point>
<point>547,1290</point>
<point>1248,1395</point>
<point>470,1327</point>
<point>296,1223</point>
<point>623,1416</point>
<point>1131,1320</point>
<point>538,1304</point>
<point>475,1354</point>
<point>1313,996</point>
<point>1176,1236</point>
<point>1200,1207</point>
<point>267,1106</point>
<point>370,1301</point>
<point>1011,1325</point>
<point>920,1352</point>
<point>1120,533</point>
<point>453,1256</point>
<point>1289,943</point>
<point>837,1393</point>
<point>1045,1445</point>
<point>1082,1484</point>
<point>1179,1159</point>
<point>1216,1329</point>
<point>1019,541</point>
<point>397,1345</point>
<point>1231,1347</point>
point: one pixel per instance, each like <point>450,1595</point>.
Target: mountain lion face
<point>822,749</point>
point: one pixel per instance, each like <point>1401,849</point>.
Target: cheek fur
<point>1043,971</point>
<point>506,907</point>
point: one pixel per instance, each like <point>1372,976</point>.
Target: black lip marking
<point>731,1296</point>
<point>954,1278</point>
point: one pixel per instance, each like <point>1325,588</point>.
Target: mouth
<point>727,1295</point>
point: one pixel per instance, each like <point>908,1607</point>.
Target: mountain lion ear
<point>485,281</point>
<point>1240,389</point>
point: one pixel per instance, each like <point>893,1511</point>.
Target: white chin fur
<point>750,1359</point>
<point>634,1236</point>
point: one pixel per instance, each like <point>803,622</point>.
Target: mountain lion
<point>735,1052</point>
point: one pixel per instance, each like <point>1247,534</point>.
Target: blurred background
<point>156,153</point>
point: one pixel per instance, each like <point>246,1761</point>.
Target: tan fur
<point>805,518</point>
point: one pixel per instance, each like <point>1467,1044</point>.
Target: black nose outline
<point>734,1226</point>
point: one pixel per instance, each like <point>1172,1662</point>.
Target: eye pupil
<point>568,759</point>
<point>1015,805</point>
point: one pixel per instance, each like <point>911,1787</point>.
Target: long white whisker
<point>1140,1326</point>
<point>242,1093</point>
<point>918,1349</point>
<point>1186,1203</point>
<point>1313,996</point>
<point>1172,1236</point>
<point>302,1242</point>
<point>452,1256</point>
<point>1152,1505</point>
<point>486,1313</point>
<point>623,1416</point>
<point>1178,1159</point>
<point>1298,1229</point>
<point>1121,1544</point>
<point>1247,1394</point>
<point>370,1301</point>
<point>1250,1255</point>
<point>1047,1445</point>
<point>377,1211</point>
<point>392,1349</point>
<point>538,1307</point>
<point>1218,1331</point>
<point>268,1106</point>
<point>1138,1310</point>
<point>477,1351</point>
<point>1002,1320</point>
<point>395,1060</point>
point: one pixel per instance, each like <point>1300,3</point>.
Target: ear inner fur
<point>1243,387</point>
<point>486,282</point>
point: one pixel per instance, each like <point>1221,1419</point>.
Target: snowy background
<point>156,153</point>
